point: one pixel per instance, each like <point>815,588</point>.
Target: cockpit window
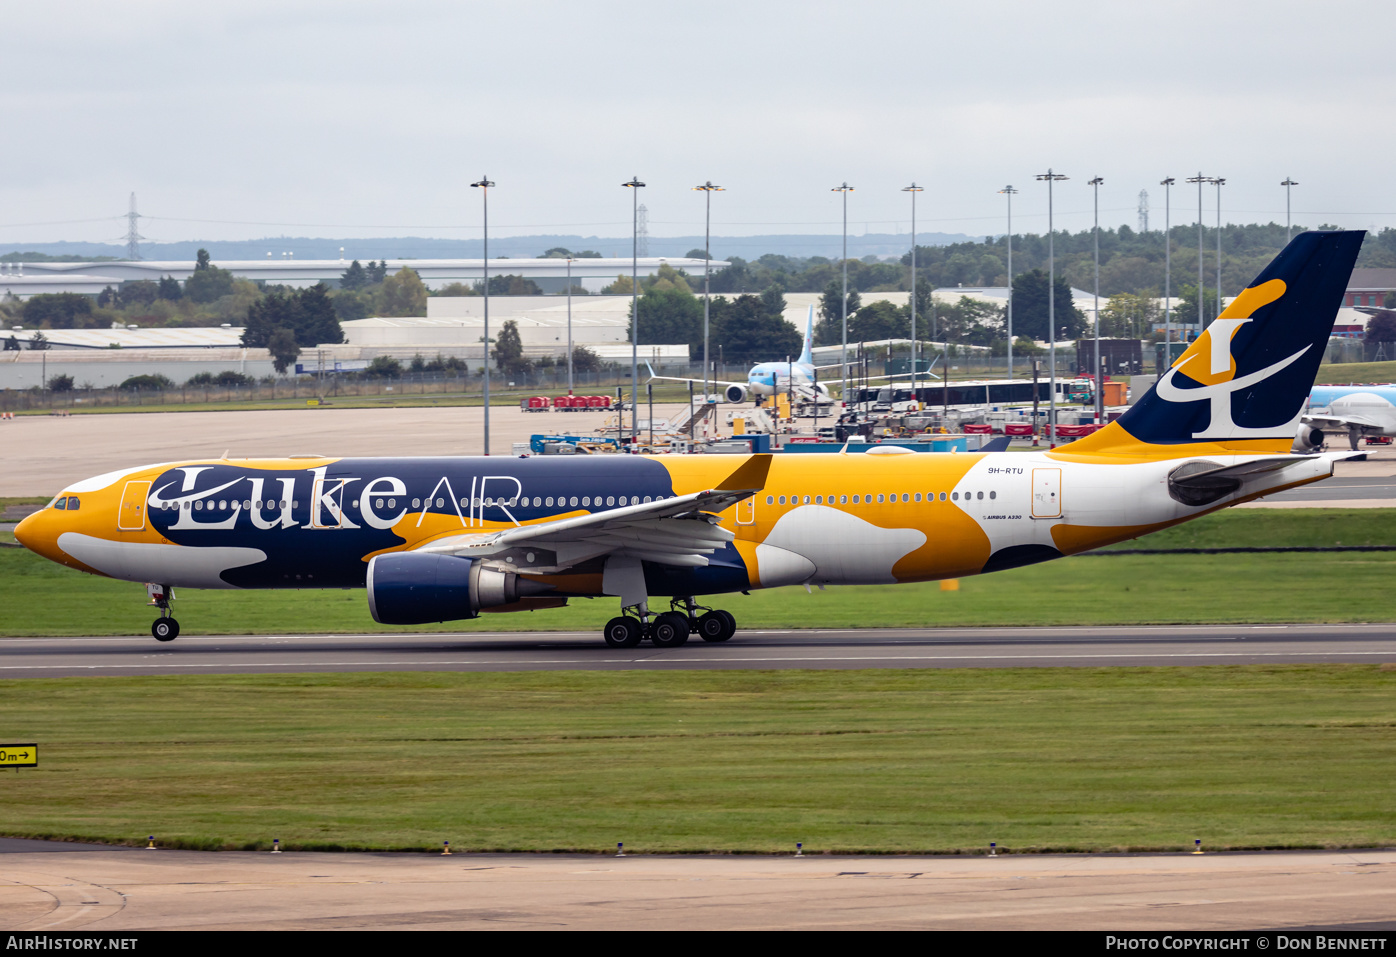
<point>73,503</point>
<point>60,502</point>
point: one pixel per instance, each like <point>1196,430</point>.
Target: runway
<point>110,890</point>
<point>820,649</point>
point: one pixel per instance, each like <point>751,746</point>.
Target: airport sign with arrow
<point>19,755</point>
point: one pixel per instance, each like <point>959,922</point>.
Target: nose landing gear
<point>164,628</point>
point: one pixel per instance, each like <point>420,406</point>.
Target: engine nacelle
<point>1309,439</point>
<point>415,588</point>
<point>735,393</point>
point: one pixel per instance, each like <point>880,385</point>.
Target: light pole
<point>1051,178</point>
<point>634,186</point>
<point>1219,181</point>
<point>569,325</point>
<point>913,189</point>
<point>1095,375</point>
<point>1199,179</point>
<point>708,189</point>
<point>1009,191</point>
<point>484,187</point>
<point>1167,185</point>
<point>845,189</point>
<point>1289,230</point>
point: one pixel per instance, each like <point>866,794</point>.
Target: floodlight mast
<point>1167,185</point>
<point>1289,229</point>
<point>845,189</point>
<point>1199,179</point>
<point>1050,177</point>
<point>634,186</point>
<point>484,187</point>
<point>1219,182</point>
<point>569,325</point>
<point>707,189</point>
<point>913,189</point>
<point>1096,376</point>
<point>1009,191</point>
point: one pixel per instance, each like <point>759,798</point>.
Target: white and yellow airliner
<point>441,539</point>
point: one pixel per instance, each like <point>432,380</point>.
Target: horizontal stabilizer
<point>1202,483</point>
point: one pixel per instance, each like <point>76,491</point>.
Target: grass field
<point>41,598</point>
<point>875,761</point>
<point>1341,373</point>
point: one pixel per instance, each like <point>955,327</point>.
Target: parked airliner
<point>769,378</point>
<point>441,539</point>
<point>1357,410</point>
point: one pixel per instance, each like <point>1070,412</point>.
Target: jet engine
<point>735,393</point>
<point>414,588</point>
<point>1309,439</point>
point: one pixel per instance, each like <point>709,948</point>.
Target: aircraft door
<point>131,516</point>
<point>746,511</point>
<point>1046,493</point>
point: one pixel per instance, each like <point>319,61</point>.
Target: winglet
<point>651,368</point>
<point>751,475</point>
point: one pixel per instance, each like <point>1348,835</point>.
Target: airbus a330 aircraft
<point>440,539</point>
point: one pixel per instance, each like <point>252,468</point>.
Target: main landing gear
<point>672,628</point>
<point>164,628</point>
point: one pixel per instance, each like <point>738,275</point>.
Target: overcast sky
<point>248,119</point>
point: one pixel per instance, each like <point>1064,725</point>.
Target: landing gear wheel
<point>716,626</point>
<point>623,632</point>
<point>731,622</point>
<point>669,630</point>
<point>165,629</point>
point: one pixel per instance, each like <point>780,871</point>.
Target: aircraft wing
<point>682,530</point>
<point>896,375</point>
<point>674,378</point>
<point>1344,422</point>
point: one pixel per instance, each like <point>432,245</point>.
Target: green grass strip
<point>884,761</point>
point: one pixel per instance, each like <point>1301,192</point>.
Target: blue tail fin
<point>807,354</point>
<point>1246,378</point>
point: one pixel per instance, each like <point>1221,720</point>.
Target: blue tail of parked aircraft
<point>1247,377</point>
<point>807,354</point>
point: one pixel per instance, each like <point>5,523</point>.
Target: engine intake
<point>413,588</point>
<point>1309,439</point>
<point>735,393</point>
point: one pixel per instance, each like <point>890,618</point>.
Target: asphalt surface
<point>821,649</point>
<point>128,891</point>
<point>1341,488</point>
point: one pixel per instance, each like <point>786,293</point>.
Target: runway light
<point>799,849</point>
<point>445,848</point>
<point>276,845</point>
<point>151,846</point>
<point>993,849</point>
<point>1197,845</point>
<point>620,849</point>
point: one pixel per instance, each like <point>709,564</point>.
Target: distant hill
<point>516,247</point>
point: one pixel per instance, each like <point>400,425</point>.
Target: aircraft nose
<point>27,530</point>
<point>34,533</point>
